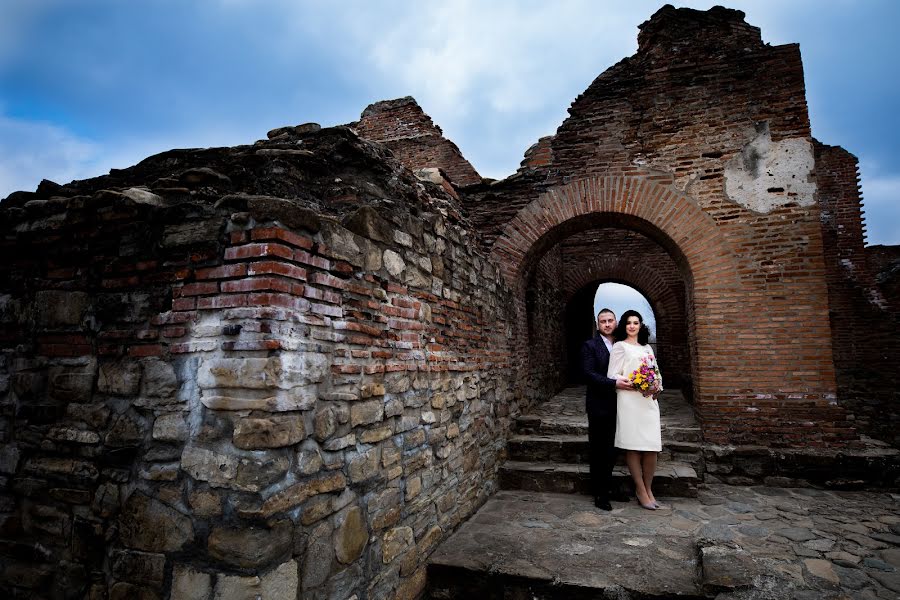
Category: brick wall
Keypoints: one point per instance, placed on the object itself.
(200, 399)
(415, 140)
(864, 321)
(704, 147)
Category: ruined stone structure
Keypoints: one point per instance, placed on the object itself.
(290, 369)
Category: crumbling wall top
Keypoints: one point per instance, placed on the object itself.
(672, 29)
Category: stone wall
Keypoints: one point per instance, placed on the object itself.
(211, 391)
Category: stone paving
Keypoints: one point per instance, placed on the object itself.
(729, 543)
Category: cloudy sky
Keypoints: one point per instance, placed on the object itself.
(89, 85)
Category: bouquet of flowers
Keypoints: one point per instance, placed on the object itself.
(646, 379)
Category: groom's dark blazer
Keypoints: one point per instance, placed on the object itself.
(601, 390)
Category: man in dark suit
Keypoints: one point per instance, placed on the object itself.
(600, 402)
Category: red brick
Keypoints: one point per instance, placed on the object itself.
(272, 233)
(258, 250)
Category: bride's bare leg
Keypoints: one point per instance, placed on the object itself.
(633, 460)
(648, 469)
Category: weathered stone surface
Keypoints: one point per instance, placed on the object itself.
(822, 569)
(300, 492)
(273, 432)
(221, 470)
(340, 443)
(73, 435)
(72, 384)
(250, 547)
(309, 458)
(171, 427)
(395, 542)
(325, 424)
(119, 378)
(128, 591)
(367, 412)
(368, 223)
(205, 503)
(319, 557)
(94, 415)
(158, 379)
(62, 467)
(139, 567)
(286, 371)
(147, 524)
(190, 584)
(350, 536)
(206, 465)
(393, 263)
(364, 466)
(61, 308)
(281, 582)
(727, 568)
(127, 430)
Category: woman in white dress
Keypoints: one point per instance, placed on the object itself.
(637, 415)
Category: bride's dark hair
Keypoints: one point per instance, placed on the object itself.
(643, 333)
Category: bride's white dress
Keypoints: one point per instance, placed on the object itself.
(637, 417)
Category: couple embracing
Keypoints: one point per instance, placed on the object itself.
(623, 384)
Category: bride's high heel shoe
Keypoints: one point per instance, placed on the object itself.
(648, 506)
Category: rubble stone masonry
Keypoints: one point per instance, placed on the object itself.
(208, 390)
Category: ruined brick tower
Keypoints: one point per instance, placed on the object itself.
(290, 368)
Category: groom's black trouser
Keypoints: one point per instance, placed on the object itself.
(601, 436)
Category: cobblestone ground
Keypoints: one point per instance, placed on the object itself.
(729, 543)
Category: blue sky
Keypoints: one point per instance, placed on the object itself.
(90, 85)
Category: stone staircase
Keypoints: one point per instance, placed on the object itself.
(549, 452)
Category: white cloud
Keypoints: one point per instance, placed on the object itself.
(881, 201)
(31, 151)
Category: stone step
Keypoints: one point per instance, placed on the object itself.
(569, 448)
(672, 478)
(555, 425)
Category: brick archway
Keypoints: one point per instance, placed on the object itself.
(659, 211)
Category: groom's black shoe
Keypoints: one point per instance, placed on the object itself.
(602, 503)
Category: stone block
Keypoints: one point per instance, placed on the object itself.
(128, 591)
(395, 542)
(147, 524)
(73, 435)
(319, 557)
(309, 459)
(158, 379)
(281, 582)
(350, 535)
(139, 567)
(364, 466)
(393, 262)
(366, 412)
(72, 384)
(172, 427)
(250, 547)
(57, 308)
(190, 584)
(128, 430)
(368, 223)
(119, 378)
(276, 431)
(298, 493)
(205, 503)
(239, 473)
